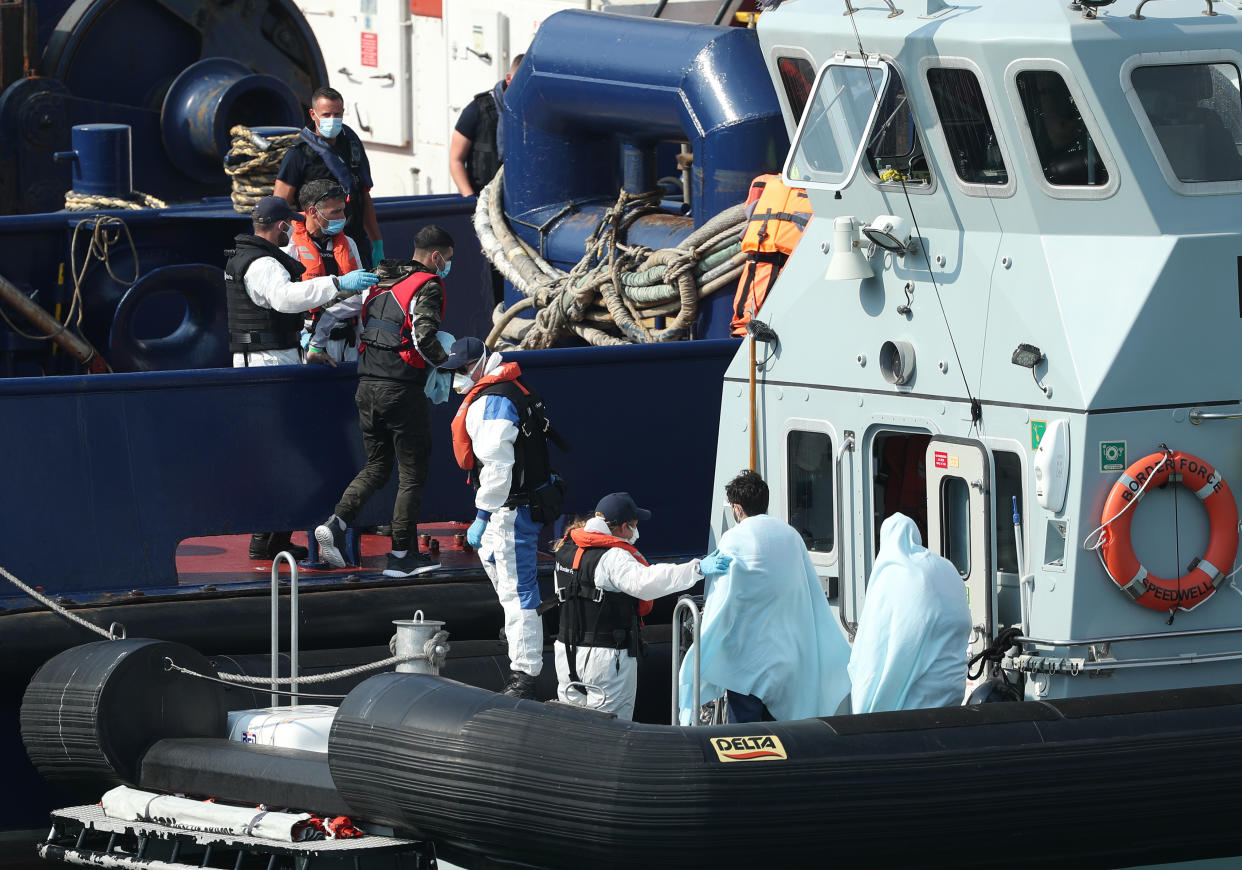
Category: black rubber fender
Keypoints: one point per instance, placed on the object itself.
(90, 713)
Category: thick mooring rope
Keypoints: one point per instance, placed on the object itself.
(75, 201)
(252, 163)
(612, 295)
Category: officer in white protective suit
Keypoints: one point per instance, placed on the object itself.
(603, 587)
(769, 642)
(910, 649)
(266, 296)
(500, 436)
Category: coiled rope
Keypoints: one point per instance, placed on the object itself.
(611, 295)
(252, 162)
(136, 199)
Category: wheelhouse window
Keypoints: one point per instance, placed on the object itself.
(1067, 153)
(967, 126)
(894, 151)
(833, 131)
(809, 458)
(1196, 112)
(797, 77)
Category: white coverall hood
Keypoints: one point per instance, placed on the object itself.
(910, 649)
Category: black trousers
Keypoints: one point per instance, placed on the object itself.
(395, 417)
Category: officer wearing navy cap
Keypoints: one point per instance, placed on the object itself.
(266, 305)
(603, 586)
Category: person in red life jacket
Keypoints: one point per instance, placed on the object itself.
(397, 346)
(266, 303)
(330, 149)
(603, 587)
(322, 247)
(500, 436)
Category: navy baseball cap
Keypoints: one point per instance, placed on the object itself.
(619, 507)
(271, 209)
(463, 352)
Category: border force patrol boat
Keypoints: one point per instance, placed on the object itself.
(1007, 320)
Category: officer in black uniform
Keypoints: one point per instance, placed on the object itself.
(266, 306)
(330, 149)
(477, 147)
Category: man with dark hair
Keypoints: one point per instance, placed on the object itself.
(400, 318)
(749, 492)
(768, 642)
(477, 147)
(266, 304)
(329, 149)
(323, 249)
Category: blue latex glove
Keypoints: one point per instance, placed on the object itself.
(358, 280)
(715, 562)
(377, 251)
(474, 535)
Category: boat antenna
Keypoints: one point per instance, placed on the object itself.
(976, 409)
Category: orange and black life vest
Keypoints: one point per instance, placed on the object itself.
(589, 615)
(312, 260)
(779, 215)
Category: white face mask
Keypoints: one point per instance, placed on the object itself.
(462, 383)
(634, 536)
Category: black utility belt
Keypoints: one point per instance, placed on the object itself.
(521, 499)
(344, 331)
(601, 640)
(280, 340)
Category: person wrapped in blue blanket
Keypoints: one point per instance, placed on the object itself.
(769, 642)
(910, 649)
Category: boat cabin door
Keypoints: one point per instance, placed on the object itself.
(959, 521)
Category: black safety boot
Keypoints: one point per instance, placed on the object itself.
(269, 545)
(520, 685)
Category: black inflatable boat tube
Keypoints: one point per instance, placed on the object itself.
(1112, 781)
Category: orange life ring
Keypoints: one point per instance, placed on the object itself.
(1197, 585)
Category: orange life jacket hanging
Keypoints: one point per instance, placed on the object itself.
(777, 220)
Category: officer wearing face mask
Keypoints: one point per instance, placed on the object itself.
(266, 295)
(500, 438)
(329, 149)
(603, 587)
(266, 305)
(323, 249)
(397, 345)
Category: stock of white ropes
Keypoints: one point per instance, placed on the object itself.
(616, 290)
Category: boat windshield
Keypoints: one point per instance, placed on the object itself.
(831, 134)
(1196, 113)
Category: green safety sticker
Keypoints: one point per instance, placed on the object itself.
(1038, 427)
(1112, 456)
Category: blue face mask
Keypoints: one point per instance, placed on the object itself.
(330, 127)
(334, 227)
(443, 273)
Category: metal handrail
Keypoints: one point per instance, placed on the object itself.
(1120, 638)
(286, 556)
(1198, 415)
(687, 603)
(847, 446)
